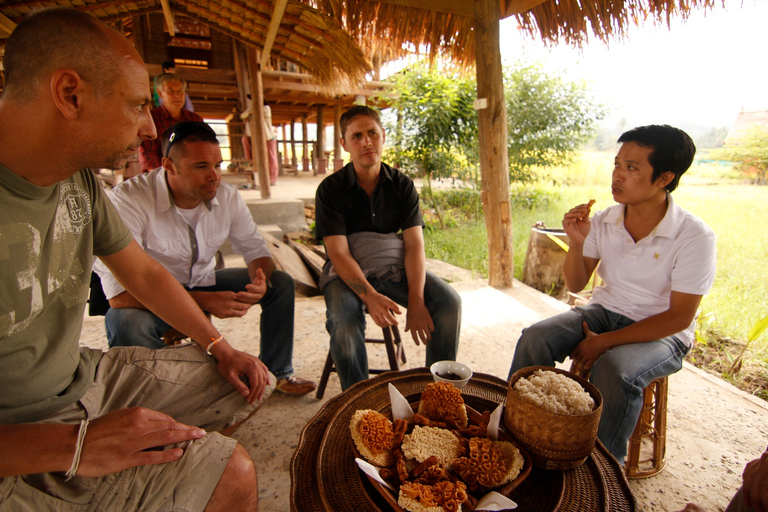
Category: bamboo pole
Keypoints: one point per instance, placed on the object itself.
(494, 159)
(320, 152)
(294, 163)
(305, 160)
(258, 134)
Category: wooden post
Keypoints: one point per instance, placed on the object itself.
(321, 161)
(293, 145)
(284, 162)
(258, 133)
(305, 144)
(338, 159)
(494, 159)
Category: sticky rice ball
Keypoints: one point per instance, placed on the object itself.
(555, 392)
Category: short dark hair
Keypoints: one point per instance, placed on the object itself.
(57, 38)
(169, 64)
(357, 110)
(189, 131)
(672, 149)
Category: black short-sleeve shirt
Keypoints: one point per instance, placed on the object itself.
(342, 207)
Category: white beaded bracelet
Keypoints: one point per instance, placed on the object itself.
(213, 343)
(78, 450)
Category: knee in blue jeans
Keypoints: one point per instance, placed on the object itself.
(134, 327)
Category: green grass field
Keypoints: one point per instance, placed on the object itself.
(735, 210)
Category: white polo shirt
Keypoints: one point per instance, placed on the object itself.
(679, 255)
(145, 205)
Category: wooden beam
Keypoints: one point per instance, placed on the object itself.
(274, 26)
(168, 17)
(258, 133)
(6, 27)
(511, 7)
(492, 138)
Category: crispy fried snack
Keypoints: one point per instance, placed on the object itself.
(399, 428)
(447, 495)
(479, 430)
(373, 436)
(589, 208)
(442, 401)
(422, 467)
(489, 464)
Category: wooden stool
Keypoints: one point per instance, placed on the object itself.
(395, 353)
(651, 426)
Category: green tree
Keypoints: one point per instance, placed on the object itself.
(435, 134)
(436, 127)
(750, 151)
(549, 119)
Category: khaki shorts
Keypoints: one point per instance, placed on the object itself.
(180, 381)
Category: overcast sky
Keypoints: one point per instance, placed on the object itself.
(699, 73)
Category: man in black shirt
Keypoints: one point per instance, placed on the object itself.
(368, 216)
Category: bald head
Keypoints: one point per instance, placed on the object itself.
(60, 38)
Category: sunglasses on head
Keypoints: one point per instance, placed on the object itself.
(181, 131)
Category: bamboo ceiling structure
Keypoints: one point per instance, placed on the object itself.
(302, 35)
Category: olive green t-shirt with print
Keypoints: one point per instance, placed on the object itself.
(48, 238)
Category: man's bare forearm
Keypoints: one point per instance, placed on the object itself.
(36, 448)
(575, 269)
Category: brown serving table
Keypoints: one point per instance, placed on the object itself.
(324, 475)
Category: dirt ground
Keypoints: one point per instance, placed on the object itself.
(713, 428)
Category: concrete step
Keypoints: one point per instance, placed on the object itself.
(288, 214)
(272, 229)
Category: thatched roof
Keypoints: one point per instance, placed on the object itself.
(305, 36)
(572, 21)
(392, 28)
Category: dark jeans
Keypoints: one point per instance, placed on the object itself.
(620, 374)
(140, 327)
(346, 323)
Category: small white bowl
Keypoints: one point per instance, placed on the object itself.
(441, 369)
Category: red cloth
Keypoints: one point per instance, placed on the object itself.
(271, 156)
(150, 152)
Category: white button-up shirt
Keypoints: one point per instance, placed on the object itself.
(146, 206)
(678, 255)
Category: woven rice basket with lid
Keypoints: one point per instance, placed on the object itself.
(555, 441)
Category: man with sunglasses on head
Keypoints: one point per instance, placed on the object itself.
(181, 214)
(83, 429)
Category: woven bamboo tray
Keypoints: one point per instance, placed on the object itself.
(325, 477)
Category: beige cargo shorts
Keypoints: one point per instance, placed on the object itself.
(180, 381)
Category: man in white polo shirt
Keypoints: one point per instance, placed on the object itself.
(181, 214)
(656, 260)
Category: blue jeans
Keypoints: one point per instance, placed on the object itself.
(620, 374)
(140, 327)
(346, 323)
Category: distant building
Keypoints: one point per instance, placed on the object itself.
(745, 120)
